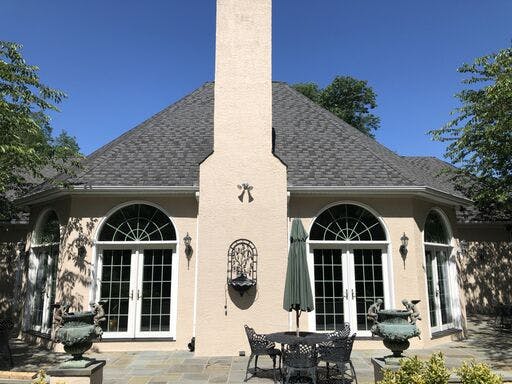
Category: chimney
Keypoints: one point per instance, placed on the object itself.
(243, 76)
(242, 160)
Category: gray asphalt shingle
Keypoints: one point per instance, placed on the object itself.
(318, 148)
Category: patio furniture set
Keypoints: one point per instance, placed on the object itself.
(303, 352)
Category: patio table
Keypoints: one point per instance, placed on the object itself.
(290, 338)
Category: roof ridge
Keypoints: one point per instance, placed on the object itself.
(336, 119)
(98, 153)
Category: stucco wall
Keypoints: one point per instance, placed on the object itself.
(399, 215)
(12, 238)
(486, 266)
(80, 218)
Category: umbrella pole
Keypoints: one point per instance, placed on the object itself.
(297, 313)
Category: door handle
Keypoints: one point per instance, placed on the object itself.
(139, 296)
(131, 294)
(353, 294)
(437, 292)
(346, 294)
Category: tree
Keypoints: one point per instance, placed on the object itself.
(480, 135)
(27, 146)
(348, 98)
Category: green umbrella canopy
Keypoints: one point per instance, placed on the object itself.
(297, 290)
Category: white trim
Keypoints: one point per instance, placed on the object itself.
(453, 286)
(53, 193)
(347, 248)
(137, 247)
(423, 191)
(126, 204)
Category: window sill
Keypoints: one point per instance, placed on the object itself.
(135, 339)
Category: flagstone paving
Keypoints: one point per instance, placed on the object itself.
(484, 343)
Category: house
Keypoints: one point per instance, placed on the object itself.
(162, 220)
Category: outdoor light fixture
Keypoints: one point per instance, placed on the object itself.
(188, 248)
(403, 247)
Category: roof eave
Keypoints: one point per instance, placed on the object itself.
(50, 194)
(419, 191)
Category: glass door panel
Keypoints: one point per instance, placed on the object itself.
(40, 290)
(444, 289)
(116, 289)
(369, 283)
(438, 285)
(431, 287)
(155, 301)
(329, 288)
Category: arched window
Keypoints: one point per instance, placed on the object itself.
(349, 257)
(440, 272)
(43, 271)
(347, 222)
(138, 222)
(137, 272)
(435, 229)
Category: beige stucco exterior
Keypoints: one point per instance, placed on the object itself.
(206, 307)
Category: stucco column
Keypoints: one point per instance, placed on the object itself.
(242, 153)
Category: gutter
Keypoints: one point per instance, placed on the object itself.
(56, 192)
(420, 191)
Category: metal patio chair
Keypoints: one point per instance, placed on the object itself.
(261, 346)
(339, 353)
(300, 358)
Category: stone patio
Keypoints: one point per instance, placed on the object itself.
(484, 343)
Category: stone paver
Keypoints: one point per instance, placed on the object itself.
(484, 343)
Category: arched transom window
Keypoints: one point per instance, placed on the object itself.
(138, 222)
(347, 222)
(48, 232)
(435, 229)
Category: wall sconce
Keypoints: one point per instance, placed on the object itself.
(403, 247)
(188, 248)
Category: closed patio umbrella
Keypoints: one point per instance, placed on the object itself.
(297, 289)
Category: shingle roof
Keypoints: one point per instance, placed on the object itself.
(319, 149)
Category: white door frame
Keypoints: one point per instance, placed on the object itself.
(35, 263)
(136, 277)
(452, 291)
(347, 248)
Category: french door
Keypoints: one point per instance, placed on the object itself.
(438, 285)
(346, 281)
(139, 285)
(44, 276)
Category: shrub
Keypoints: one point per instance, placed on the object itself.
(415, 371)
(473, 373)
(434, 371)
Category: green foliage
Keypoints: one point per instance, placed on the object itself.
(27, 146)
(41, 378)
(434, 371)
(415, 371)
(473, 373)
(480, 135)
(348, 98)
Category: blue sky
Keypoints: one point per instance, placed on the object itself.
(121, 61)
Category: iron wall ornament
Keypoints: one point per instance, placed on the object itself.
(245, 187)
(242, 265)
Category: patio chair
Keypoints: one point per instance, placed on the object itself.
(299, 358)
(342, 333)
(261, 346)
(6, 327)
(339, 353)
